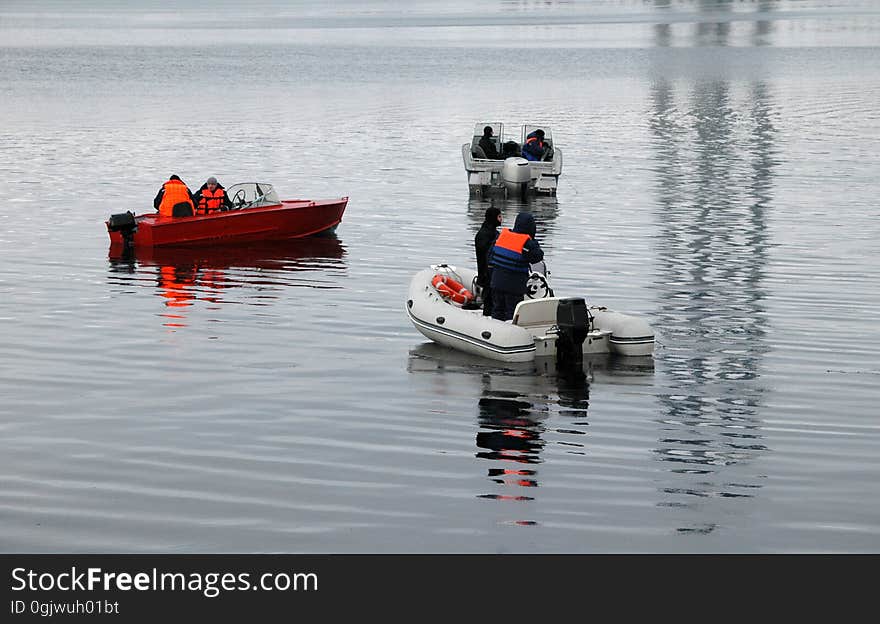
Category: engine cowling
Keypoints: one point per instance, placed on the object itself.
(516, 173)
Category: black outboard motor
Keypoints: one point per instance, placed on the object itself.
(125, 224)
(573, 321)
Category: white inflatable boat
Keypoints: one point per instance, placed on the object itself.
(542, 325)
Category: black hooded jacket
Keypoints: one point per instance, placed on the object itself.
(483, 242)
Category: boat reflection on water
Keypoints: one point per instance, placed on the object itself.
(518, 416)
(524, 408)
(545, 210)
(510, 433)
(605, 368)
(542, 373)
(715, 156)
(252, 274)
(268, 254)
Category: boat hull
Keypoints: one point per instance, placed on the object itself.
(465, 330)
(488, 177)
(287, 220)
(533, 332)
(628, 335)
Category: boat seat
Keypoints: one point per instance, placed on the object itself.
(478, 152)
(536, 315)
(181, 209)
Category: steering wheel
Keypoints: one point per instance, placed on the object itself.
(238, 200)
(537, 287)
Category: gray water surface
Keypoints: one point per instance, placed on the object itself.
(719, 179)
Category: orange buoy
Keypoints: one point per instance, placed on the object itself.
(451, 289)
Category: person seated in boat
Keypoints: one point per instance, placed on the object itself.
(510, 149)
(510, 257)
(211, 197)
(483, 242)
(488, 144)
(534, 147)
(174, 199)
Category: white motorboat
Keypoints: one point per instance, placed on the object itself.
(543, 325)
(511, 175)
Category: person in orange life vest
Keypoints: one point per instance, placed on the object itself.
(534, 148)
(510, 259)
(211, 197)
(174, 199)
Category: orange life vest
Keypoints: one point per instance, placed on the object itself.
(513, 241)
(209, 202)
(175, 193)
(507, 251)
(451, 289)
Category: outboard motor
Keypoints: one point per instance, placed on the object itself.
(516, 173)
(125, 224)
(573, 322)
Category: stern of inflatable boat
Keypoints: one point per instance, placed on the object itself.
(607, 332)
(630, 335)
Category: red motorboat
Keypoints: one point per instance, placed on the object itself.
(258, 215)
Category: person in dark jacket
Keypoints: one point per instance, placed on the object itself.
(174, 199)
(211, 197)
(488, 144)
(510, 149)
(483, 242)
(534, 147)
(510, 259)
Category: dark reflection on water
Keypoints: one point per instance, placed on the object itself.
(510, 434)
(711, 33)
(717, 31)
(256, 273)
(544, 208)
(763, 29)
(527, 413)
(714, 160)
(512, 423)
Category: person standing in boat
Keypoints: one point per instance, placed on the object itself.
(534, 147)
(488, 144)
(174, 199)
(483, 242)
(510, 258)
(211, 197)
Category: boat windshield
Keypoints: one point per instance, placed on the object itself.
(497, 129)
(527, 129)
(252, 195)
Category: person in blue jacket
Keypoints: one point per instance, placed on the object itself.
(510, 258)
(534, 147)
